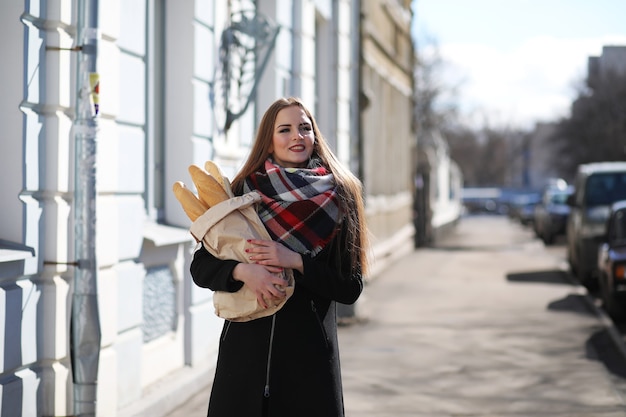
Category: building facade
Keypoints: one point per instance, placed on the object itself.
(388, 139)
(158, 82)
(438, 187)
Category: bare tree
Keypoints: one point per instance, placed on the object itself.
(488, 157)
(484, 155)
(596, 128)
(435, 100)
(465, 149)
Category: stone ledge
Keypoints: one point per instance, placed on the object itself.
(10, 251)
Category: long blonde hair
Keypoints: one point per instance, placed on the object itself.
(349, 188)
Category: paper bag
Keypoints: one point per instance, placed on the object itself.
(224, 229)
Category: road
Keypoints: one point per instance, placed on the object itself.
(486, 324)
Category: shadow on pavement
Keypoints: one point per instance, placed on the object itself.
(601, 347)
(554, 276)
(574, 303)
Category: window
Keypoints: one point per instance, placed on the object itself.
(159, 303)
(606, 188)
(155, 164)
(140, 116)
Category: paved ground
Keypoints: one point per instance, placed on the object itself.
(488, 324)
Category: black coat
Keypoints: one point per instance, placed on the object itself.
(303, 377)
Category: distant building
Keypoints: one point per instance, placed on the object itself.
(612, 59)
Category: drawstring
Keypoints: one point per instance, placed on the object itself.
(266, 392)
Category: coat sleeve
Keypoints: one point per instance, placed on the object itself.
(330, 274)
(210, 272)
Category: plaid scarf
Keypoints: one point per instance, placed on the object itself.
(299, 206)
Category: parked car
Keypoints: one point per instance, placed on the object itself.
(612, 264)
(482, 200)
(523, 207)
(597, 186)
(550, 216)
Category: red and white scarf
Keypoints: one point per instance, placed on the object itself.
(299, 206)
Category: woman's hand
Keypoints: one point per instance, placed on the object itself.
(270, 253)
(266, 282)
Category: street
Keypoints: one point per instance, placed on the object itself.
(486, 324)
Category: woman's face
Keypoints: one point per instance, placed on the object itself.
(293, 138)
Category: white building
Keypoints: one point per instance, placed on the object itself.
(439, 184)
(156, 63)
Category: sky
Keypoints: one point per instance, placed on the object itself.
(516, 62)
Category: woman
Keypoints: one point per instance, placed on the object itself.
(287, 364)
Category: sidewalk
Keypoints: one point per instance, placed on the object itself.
(486, 325)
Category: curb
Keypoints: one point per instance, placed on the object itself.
(603, 317)
(606, 321)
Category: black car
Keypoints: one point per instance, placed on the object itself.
(612, 263)
(550, 216)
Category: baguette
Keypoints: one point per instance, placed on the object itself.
(214, 170)
(210, 190)
(192, 205)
